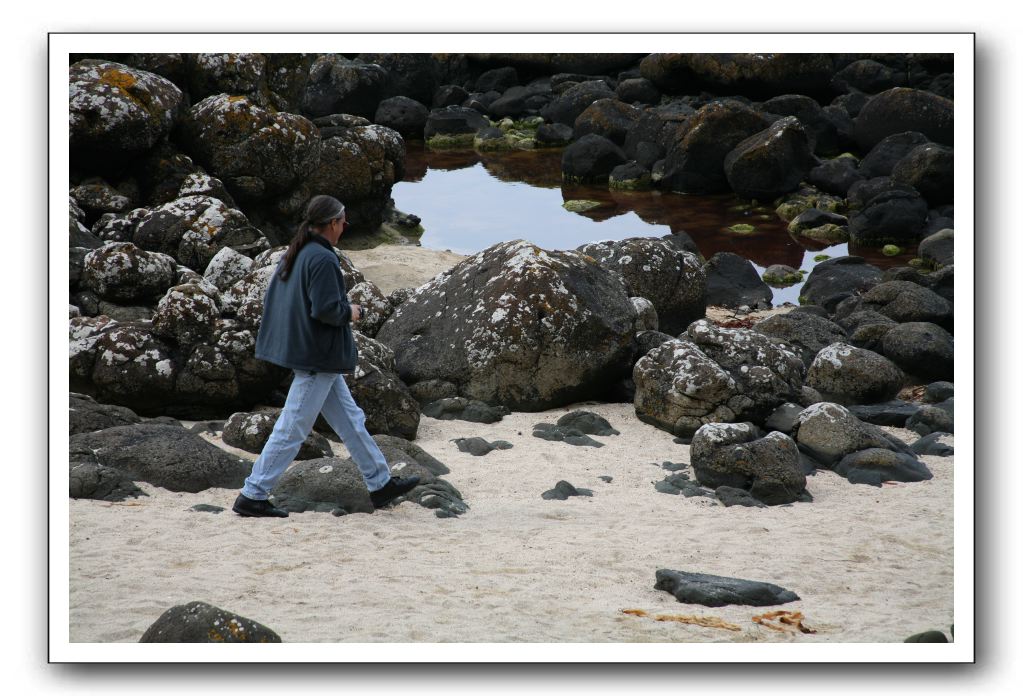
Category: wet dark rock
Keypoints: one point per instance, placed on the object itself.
(554, 134)
(827, 432)
(630, 176)
(480, 101)
(865, 76)
(165, 455)
(567, 106)
(873, 466)
(851, 103)
(903, 109)
(459, 408)
(250, 432)
(937, 392)
(338, 85)
(821, 131)
(734, 454)
(404, 115)
(86, 415)
(566, 434)
(781, 275)
(519, 326)
(730, 496)
(938, 418)
(835, 175)
(850, 375)
(938, 249)
(755, 75)
(638, 89)
(587, 422)
(806, 333)
(883, 156)
(929, 169)
(199, 622)
(478, 447)
(893, 413)
(516, 102)
(609, 118)
(674, 281)
(590, 159)
(770, 163)
(719, 591)
(895, 217)
(714, 375)
(564, 490)
(695, 160)
(498, 79)
(903, 302)
(833, 280)
(448, 95)
(732, 281)
(929, 445)
(922, 349)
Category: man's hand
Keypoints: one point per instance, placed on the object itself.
(356, 312)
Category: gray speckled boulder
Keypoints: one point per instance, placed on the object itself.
(851, 375)
(518, 326)
(714, 375)
(186, 315)
(199, 622)
(734, 454)
(387, 402)
(122, 272)
(922, 349)
(250, 432)
(117, 111)
(802, 331)
(828, 432)
(227, 267)
(719, 591)
(165, 455)
(672, 279)
(939, 418)
(375, 307)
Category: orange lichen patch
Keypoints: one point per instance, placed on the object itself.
(912, 393)
(215, 636)
(235, 99)
(786, 620)
(705, 621)
(117, 78)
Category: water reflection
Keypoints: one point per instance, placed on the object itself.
(469, 201)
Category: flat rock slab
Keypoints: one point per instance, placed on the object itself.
(478, 447)
(199, 622)
(564, 490)
(587, 422)
(894, 413)
(458, 408)
(930, 445)
(730, 496)
(680, 483)
(559, 433)
(718, 591)
(203, 507)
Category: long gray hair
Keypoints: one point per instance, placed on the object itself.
(320, 211)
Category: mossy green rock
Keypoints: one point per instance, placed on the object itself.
(580, 205)
(891, 250)
(828, 233)
(742, 228)
(821, 257)
(782, 275)
(443, 141)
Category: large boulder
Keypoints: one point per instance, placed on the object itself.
(930, 170)
(404, 115)
(733, 282)
(199, 622)
(516, 325)
(834, 280)
(226, 268)
(922, 349)
(454, 124)
(254, 151)
(116, 112)
(735, 455)
(883, 157)
(192, 229)
(695, 160)
(820, 129)
(846, 374)
(568, 106)
(389, 405)
(240, 74)
(903, 301)
(121, 272)
(86, 415)
(875, 466)
(655, 131)
(827, 432)
(938, 249)
(590, 159)
(673, 280)
(714, 375)
(186, 315)
(770, 163)
(607, 117)
(894, 217)
(755, 75)
(338, 85)
(902, 109)
(165, 455)
(801, 331)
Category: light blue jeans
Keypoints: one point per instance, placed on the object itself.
(312, 393)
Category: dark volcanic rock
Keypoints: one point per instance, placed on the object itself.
(478, 447)
(519, 326)
(938, 248)
(933, 419)
(86, 415)
(404, 115)
(730, 496)
(833, 280)
(734, 454)
(340, 86)
(930, 170)
(828, 432)
(250, 432)
(873, 466)
(819, 127)
(680, 484)
(937, 392)
(719, 591)
(770, 163)
(638, 89)
(805, 332)
(590, 159)
(732, 281)
(835, 176)
(927, 637)
(566, 434)
(894, 217)
(567, 106)
(609, 118)
(903, 109)
(883, 156)
(892, 413)
(458, 408)
(930, 445)
(587, 422)
(851, 375)
(165, 455)
(91, 480)
(755, 75)
(564, 490)
(198, 622)
(903, 301)
(922, 349)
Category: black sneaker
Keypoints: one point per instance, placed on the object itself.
(392, 489)
(247, 507)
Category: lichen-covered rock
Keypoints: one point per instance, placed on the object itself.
(922, 349)
(695, 160)
(240, 74)
(654, 269)
(834, 280)
(590, 159)
(338, 85)
(117, 111)
(827, 432)
(122, 272)
(390, 407)
(165, 455)
(732, 281)
(755, 75)
(518, 326)
(646, 314)
(133, 367)
(902, 109)
(199, 622)
(254, 151)
(83, 334)
(609, 118)
(770, 163)
(714, 375)
(850, 375)
(86, 415)
(734, 454)
(375, 307)
(186, 315)
(194, 228)
(803, 332)
(250, 432)
(99, 197)
(939, 418)
(226, 268)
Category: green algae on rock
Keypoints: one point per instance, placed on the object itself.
(741, 228)
(580, 205)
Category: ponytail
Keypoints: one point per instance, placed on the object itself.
(320, 211)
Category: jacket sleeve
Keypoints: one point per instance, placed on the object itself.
(327, 300)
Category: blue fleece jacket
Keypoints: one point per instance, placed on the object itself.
(307, 319)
